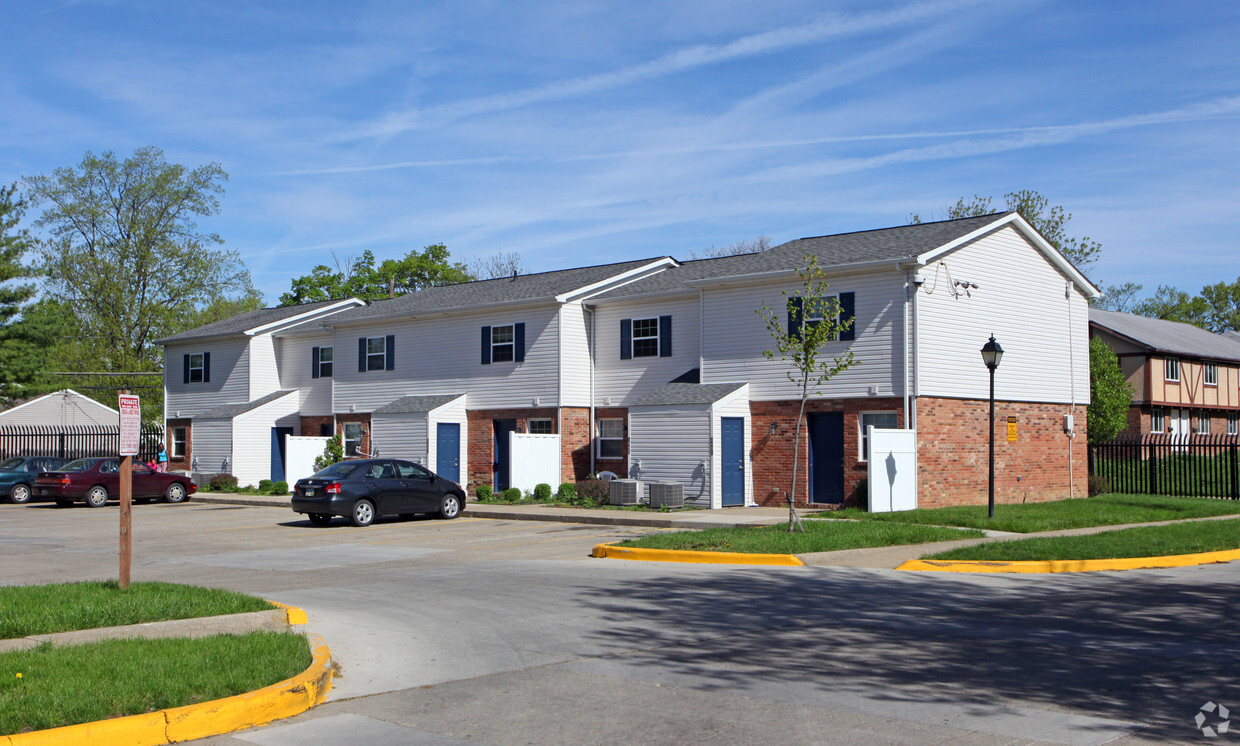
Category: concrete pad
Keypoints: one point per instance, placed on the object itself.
(338, 729)
(274, 620)
(307, 559)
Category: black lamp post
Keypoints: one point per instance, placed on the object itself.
(992, 353)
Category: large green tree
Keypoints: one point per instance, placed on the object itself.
(1110, 394)
(361, 278)
(18, 361)
(124, 249)
(1049, 220)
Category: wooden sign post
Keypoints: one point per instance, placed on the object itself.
(131, 436)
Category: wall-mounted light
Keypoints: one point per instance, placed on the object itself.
(536, 400)
(774, 426)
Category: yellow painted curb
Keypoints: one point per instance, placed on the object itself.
(293, 614)
(1095, 565)
(681, 555)
(284, 699)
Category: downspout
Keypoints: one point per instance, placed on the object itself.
(909, 289)
(916, 360)
(1067, 294)
(590, 433)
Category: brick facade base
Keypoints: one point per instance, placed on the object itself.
(314, 426)
(184, 461)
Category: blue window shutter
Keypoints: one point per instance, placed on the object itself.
(186, 369)
(665, 336)
(518, 340)
(314, 362)
(361, 354)
(206, 367)
(626, 339)
(389, 348)
(848, 312)
(796, 304)
(486, 345)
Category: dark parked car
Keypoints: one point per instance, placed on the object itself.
(17, 475)
(96, 480)
(361, 490)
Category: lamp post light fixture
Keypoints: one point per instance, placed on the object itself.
(992, 353)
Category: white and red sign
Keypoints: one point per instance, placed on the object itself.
(131, 424)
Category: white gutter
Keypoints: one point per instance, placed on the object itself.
(590, 434)
(326, 310)
(619, 280)
(896, 262)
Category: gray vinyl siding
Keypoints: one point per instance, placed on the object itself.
(294, 358)
(671, 442)
(574, 356)
(61, 409)
(251, 438)
(626, 381)
(441, 355)
(230, 377)
(734, 338)
(212, 446)
(402, 436)
(1020, 299)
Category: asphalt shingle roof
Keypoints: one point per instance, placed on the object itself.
(687, 393)
(897, 243)
(411, 404)
(250, 320)
(1174, 337)
(229, 411)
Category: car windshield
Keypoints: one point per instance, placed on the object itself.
(338, 470)
(81, 464)
(11, 463)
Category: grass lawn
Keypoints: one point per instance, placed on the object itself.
(1147, 541)
(820, 536)
(1104, 510)
(63, 607)
(51, 686)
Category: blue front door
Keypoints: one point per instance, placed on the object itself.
(499, 468)
(277, 452)
(826, 458)
(732, 452)
(448, 450)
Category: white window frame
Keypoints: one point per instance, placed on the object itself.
(174, 451)
(325, 360)
(1158, 420)
(647, 350)
(614, 436)
(1171, 369)
(1233, 423)
(374, 354)
(863, 442)
(543, 429)
(504, 352)
(345, 440)
(1211, 374)
(200, 369)
(1203, 423)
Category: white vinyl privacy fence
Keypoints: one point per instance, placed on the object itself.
(533, 460)
(892, 477)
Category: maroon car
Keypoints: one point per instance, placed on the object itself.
(96, 480)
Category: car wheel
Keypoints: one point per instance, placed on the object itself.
(60, 503)
(363, 513)
(319, 519)
(449, 506)
(97, 497)
(20, 494)
(175, 493)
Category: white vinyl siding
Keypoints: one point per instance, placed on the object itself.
(264, 373)
(211, 446)
(229, 381)
(625, 381)
(574, 356)
(251, 438)
(735, 405)
(295, 357)
(1020, 300)
(452, 412)
(440, 355)
(61, 408)
(734, 338)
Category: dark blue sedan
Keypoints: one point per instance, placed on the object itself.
(364, 489)
(18, 473)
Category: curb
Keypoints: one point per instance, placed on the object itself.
(680, 555)
(280, 700)
(1095, 565)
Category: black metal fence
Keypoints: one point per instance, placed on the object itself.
(1163, 464)
(73, 441)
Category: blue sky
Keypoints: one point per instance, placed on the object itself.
(583, 132)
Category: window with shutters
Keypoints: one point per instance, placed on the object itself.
(503, 344)
(376, 353)
(197, 369)
(325, 362)
(645, 337)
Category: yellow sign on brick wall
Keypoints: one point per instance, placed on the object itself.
(1012, 429)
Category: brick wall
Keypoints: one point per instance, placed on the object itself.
(482, 438)
(953, 453)
(362, 417)
(772, 453)
(180, 463)
(620, 466)
(312, 425)
(575, 442)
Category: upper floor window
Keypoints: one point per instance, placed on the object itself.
(880, 421)
(503, 344)
(197, 367)
(539, 426)
(1171, 369)
(811, 314)
(321, 362)
(1157, 421)
(646, 337)
(375, 353)
(1211, 374)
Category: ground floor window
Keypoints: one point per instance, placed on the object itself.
(1203, 423)
(177, 443)
(1157, 421)
(880, 421)
(352, 438)
(541, 426)
(611, 438)
(1233, 421)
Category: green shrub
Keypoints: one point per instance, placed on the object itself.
(511, 495)
(484, 492)
(542, 492)
(1098, 485)
(222, 483)
(567, 492)
(332, 452)
(593, 492)
(279, 488)
(264, 486)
